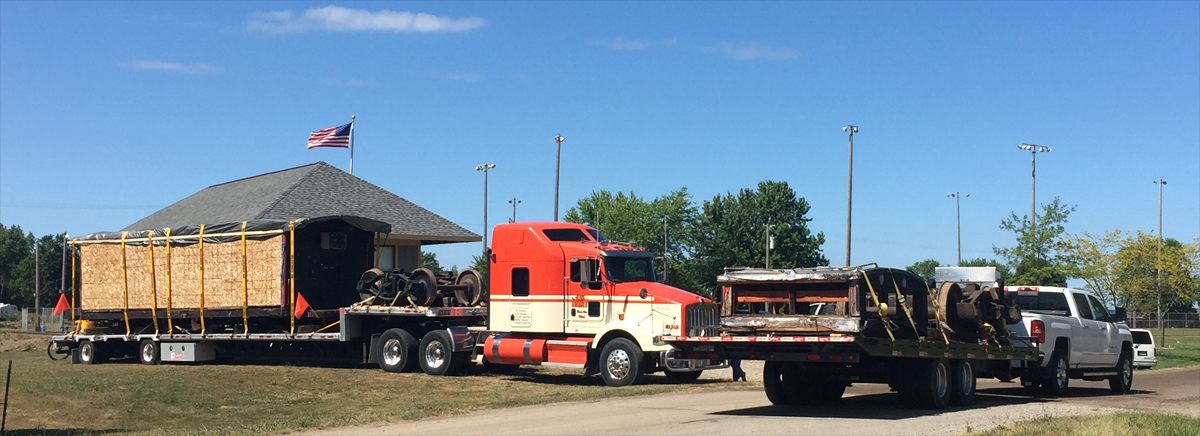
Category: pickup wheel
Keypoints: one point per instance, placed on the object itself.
(620, 362)
(962, 383)
(148, 352)
(1056, 379)
(1123, 381)
(683, 377)
(933, 383)
(397, 348)
(783, 383)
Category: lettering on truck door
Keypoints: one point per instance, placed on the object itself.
(1090, 339)
(585, 307)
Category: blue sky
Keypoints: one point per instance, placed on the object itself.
(110, 111)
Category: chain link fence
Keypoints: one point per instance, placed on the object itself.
(1188, 323)
(49, 322)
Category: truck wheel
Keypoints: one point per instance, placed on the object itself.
(436, 356)
(1056, 378)
(828, 390)
(783, 383)
(1123, 381)
(620, 362)
(148, 352)
(90, 353)
(683, 377)
(933, 383)
(962, 383)
(397, 350)
(461, 363)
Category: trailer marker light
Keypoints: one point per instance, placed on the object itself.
(814, 357)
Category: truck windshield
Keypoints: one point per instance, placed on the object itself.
(599, 237)
(629, 269)
(1050, 302)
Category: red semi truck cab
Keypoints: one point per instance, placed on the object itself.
(564, 295)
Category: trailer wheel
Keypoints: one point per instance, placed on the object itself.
(962, 383)
(1056, 377)
(436, 357)
(1123, 381)
(828, 390)
(620, 362)
(148, 352)
(683, 377)
(783, 383)
(398, 348)
(933, 383)
(90, 353)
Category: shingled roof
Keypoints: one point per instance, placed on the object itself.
(308, 191)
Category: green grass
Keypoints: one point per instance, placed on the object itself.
(58, 398)
(1179, 348)
(1131, 424)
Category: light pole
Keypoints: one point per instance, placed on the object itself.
(958, 219)
(664, 253)
(485, 167)
(37, 287)
(851, 129)
(1033, 150)
(769, 225)
(1158, 279)
(514, 202)
(558, 139)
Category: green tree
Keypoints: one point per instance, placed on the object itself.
(1095, 260)
(1150, 270)
(430, 261)
(731, 231)
(17, 266)
(924, 268)
(1036, 258)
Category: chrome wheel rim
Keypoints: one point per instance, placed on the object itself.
(85, 352)
(941, 382)
(1127, 374)
(435, 354)
(967, 377)
(618, 364)
(148, 352)
(391, 352)
(1060, 372)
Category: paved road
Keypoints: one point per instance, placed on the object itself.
(867, 409)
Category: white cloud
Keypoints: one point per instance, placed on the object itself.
(462, 77)
(352, 83)
(170, 66)
(625, 44)
(749, 51)
(339, 19)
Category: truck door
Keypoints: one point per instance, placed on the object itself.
(1109, 335)
(585, 300)
(1089, 342)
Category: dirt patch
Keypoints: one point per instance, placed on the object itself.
(10, 341)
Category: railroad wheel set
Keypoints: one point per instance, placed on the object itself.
(420, 287)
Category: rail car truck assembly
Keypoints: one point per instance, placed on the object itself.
(889, 326)
(562, 295)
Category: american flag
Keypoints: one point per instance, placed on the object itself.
(332, 137)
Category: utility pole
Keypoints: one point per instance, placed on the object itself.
(769, 225)
(485, 167)
(851, 129)
(958, 219)
(664, 253)
(37, 287)
(558, 139)
(1158, 279)
(514, 202)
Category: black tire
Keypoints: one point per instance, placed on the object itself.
(933, 383)
(962, 383)
(828, 390)
(91, 353)
(1123, 381)
(461, 364)
(437, 353)
(620, 362)
(683, 377)
(1056, 378)
(148, 352)
(397, 349)
(783, 383)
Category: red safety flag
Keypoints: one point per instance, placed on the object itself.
(63, 305)
(301, 305)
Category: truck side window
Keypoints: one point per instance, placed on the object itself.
(520, 282)
(1099, 310)
(575, 271)
(1085, 308)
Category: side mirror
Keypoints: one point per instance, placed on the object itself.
(1120, 314)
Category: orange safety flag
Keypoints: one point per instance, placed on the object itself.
(301, 305)
(62, 305)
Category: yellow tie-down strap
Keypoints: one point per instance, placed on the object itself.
(881, 306)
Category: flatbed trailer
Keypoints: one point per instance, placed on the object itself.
(811, 357)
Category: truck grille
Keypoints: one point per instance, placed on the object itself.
(701, 319)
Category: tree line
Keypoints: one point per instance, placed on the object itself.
(17, 266)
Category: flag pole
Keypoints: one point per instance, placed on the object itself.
(352, 145)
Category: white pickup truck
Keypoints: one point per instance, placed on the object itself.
(1076, 337)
